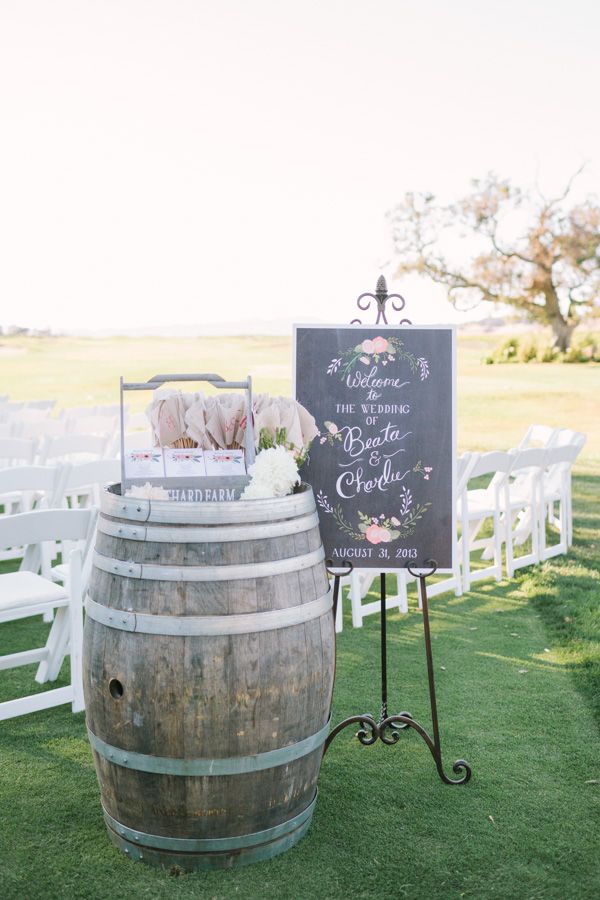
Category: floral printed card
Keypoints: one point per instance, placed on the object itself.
(183, 461)
(382, 466)
(144, 463)
(225, 462)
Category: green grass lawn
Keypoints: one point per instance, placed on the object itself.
(518, 674)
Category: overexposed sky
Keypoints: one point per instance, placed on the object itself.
(181, 162)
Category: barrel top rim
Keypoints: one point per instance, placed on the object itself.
(217, 512)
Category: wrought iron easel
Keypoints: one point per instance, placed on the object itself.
(388, 727)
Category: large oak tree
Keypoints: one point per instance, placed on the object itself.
(502, 245)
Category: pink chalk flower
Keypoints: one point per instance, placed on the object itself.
(395, 521)
(374, 534)
(365, 360)
(368, 346)
(380, 344)
(332, 428)
(384, 535)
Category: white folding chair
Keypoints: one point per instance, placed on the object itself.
(73, 413)
(73, 448)
(8, 407)
(103, 425)
(476, 506)
(85, 481)
(111, 409)
(565, 437)
(25, 594)
(556, 489)
(359, 584)
(23, 486)
(134, 440)
(40, 404)
(522, 504)
(17, 451)
(464, 464)
(31, 414)
(38, 429)
(538, 436)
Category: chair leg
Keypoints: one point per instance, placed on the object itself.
(466, 555)
(56, 645)
(402, 592)
(355, 599)
(76, 630)
(339, 613)
(510, 570)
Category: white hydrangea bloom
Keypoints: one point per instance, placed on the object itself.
(147, 492)
(274, 474)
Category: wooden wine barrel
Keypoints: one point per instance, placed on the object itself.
(208, 674)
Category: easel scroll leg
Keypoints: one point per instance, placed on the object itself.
(435, 746)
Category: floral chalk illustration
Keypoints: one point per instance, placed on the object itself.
(378, 350)
(378, 529)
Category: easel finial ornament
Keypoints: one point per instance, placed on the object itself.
(381, 298)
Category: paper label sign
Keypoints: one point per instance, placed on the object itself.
(144, 463)
(224, 462)
(184, 461)
(382, 466)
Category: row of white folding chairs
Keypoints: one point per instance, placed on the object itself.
(525, 487)
(69, 447)
(36, 425)
(9, 407)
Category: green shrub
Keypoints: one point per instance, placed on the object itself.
(546, 353)
(572, 355)
(587, 347)
(528, 351)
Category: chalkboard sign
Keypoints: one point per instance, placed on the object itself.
(382, 466)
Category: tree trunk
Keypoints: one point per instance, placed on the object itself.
(562, 333)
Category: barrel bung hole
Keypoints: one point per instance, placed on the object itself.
(115, 688)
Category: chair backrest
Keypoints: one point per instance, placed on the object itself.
(41, 428)
(34, 478)
(104, 425)
(567, 453)
(98, 471)
(464, 464)
(40, 404)
(31, 414)
(568, 436)
(47, 525)
(69, 446)
(538, 435)
(15, 451)
(530, 458)
(491, 463)
(110, 409)
(9, 407)
(73, 413)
